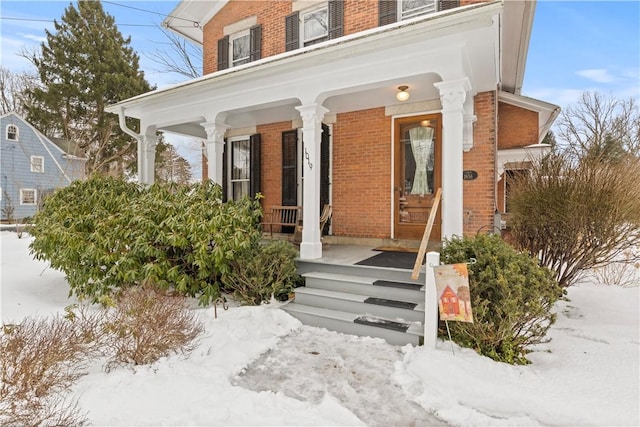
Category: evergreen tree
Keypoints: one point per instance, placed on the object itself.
(85, 65)
(170, 165)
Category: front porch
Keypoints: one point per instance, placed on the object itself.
(343, 295)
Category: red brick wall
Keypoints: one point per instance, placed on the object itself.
(362, 174)
(359, 15)
(270, 14)
(517, 127)
(271, 163)
(479, 194)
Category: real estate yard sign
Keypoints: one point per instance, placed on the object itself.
(454, 298)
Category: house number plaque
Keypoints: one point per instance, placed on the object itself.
(469, 175)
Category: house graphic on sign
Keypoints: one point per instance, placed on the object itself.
(449, 303)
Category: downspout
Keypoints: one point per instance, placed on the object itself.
(123, 125)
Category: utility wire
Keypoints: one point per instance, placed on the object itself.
(149, 11)
(9, 18)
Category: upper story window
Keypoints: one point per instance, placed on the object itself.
(28, 196)
(240, 47)
(12, 132)
(390, 11)
(314, 25)
(411, 8)
(37, 164)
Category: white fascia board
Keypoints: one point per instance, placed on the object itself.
(547, 112)
(516, 35)
(198, 13)
(420, 29)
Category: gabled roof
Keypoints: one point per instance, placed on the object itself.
(58, 144)
(190, 16)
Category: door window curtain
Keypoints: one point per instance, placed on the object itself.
(421, 146)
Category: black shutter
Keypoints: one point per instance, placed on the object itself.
(448, 4)
(254, 164)
(290, 168)
(225, 171)
(292, 31)
(223, 53)
(325, 165)
(336, 19)
(387, 12)
(255, 41)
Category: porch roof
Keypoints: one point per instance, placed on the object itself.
(354, 72)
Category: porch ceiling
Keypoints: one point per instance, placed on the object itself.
(355, 72)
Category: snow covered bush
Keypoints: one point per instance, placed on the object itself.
(264, 271)
(106, 233)
(511, 298)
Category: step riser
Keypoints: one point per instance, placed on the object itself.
(392, 337)
(407, 295)
(307, 266)
(386, 312)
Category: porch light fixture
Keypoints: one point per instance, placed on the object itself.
(402, 95)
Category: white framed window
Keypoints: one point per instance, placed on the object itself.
(240, 48)
(314, 25)
(28, 196)
(411, 8)
(12, 132)
(37, 164)
(239, 167)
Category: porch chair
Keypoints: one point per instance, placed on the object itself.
(324, 218)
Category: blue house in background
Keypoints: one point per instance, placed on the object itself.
(31, 166)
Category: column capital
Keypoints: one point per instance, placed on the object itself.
(215, 131)
(312, 115)
(453, 93)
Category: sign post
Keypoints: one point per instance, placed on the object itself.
(431, 301)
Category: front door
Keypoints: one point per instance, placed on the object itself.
(418, 165)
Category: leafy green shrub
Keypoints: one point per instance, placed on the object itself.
(106, 233)
(511, 298)
(263, 271)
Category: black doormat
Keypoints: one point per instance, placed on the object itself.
(405, 260)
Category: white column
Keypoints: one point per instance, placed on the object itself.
(214, 149)
(148, 163)
(452, 96)
(312, 114)
(431, 302)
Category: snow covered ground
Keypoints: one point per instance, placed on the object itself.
(259, 366)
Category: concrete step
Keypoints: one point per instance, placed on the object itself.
(369, 286)
(394, 332)
(360, 304)
(381, 273)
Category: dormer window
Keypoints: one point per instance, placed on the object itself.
(12, 132)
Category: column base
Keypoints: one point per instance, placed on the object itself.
(310, 250)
